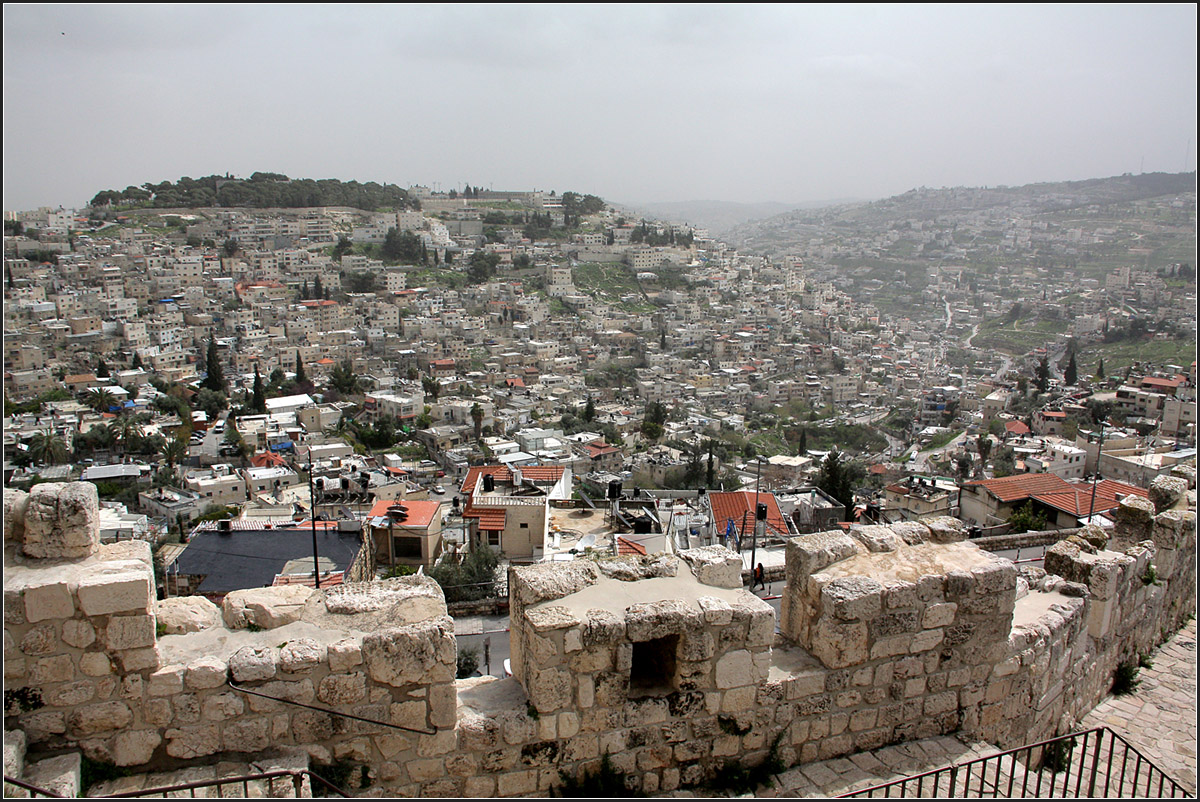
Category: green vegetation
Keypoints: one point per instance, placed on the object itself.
(1125, 680)
(940, 439)
(468, 662)
(472, 579)
(1024, 519)
(611, 283)
(261, 190)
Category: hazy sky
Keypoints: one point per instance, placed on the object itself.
(640, 103)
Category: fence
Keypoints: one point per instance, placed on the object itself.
(1089, 764)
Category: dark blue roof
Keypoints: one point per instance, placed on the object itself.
(252, 558)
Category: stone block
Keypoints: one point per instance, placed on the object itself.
(717, 612)
(876, 538)
(251, 663)
(734, 669)
(1167, 491)
(101, 717)
(344, 655)
(62, 521)
(15, 504)
(77, 633)
(69, 694)
(808, 554)
(852, 598)
(222, 707)
(116, 588)
(129, 632)
(939, 615)
(839, 644)
(206, 672)
(925, 640)
(301, 654)
(716, 566)
(946, 529)
(245, 735)
(166, 681)
(268, 608)
(47, 670)
(193, 742)
(649, 620)
(549, 619)
(443, 705)
(415, 653)
(39, 640)
(181, 614)
(48, 600)
(135, 747)
(342, 689)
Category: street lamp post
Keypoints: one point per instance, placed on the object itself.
(312, 502)
(1096, 474)
(754, 537)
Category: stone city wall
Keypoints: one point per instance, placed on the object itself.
(665, 664)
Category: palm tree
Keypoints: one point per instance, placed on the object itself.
(48, 448)
(125, 429)
(175, 452)
(101, 399)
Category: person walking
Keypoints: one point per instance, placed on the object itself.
(760, 577)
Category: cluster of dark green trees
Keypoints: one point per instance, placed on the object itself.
(261, 190)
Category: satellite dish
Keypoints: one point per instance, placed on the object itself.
(587, 542)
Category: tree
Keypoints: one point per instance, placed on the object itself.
(1024, 519)
(984, 446)
(258, 396)
(101, 399)
(215, 378)
(1071, 373)
(802, 446)
(343, 379)
(230, 247)
(837, 478)
(302, 384)
(1100, 369)
(589, 411)
(343, 247)
(431, 387)
(137, 361)
(102, 371)
(318, 292)
(481, 267)
(1041, 375)
(48, 448)
(477, 417)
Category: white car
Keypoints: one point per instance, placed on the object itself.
(439, 489)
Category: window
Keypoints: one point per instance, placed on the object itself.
(653, 666)
(406, 548)
(493, 538)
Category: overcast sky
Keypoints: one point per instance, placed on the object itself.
(786, 103)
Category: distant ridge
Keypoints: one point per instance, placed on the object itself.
(717, 216)
(924, 203)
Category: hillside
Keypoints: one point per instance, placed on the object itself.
(923, 204)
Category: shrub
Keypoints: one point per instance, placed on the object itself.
(468, 661)
(1151, 576)
(1125, 680)
(1056, 756)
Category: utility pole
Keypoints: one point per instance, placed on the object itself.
(1096, 475)
(312, 501)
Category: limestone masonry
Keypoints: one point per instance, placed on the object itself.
(665, 663)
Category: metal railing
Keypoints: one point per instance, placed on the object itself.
(295, 776)
(1087, 764)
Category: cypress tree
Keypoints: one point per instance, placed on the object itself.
(258, 399)
(1071, 373)
(215, 380)
(301, 376)
(1100, 369)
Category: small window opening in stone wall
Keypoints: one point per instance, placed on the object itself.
(653, 666)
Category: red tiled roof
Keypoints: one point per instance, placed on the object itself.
(327, 580)
(629, 547)
(1022, 486)
(420, 513)
(490, 518)
(1053, 414)
(739, 506)
(1078, 499)
(1016, 427)
(267, 460)
(534, 473)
